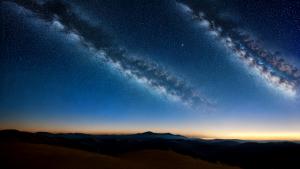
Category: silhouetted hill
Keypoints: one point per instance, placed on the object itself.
(19, 155)
(152, 135)
(248, 155)
(143, 136)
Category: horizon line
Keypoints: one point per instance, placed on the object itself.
(155, 132)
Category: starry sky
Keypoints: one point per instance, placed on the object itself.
(210, 69)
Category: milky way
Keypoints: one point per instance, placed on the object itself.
(267, 64)
(96, 40)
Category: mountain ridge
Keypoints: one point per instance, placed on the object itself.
(247, 155)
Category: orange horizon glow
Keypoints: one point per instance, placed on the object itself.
(240, 135)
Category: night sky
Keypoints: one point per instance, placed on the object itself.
(211, 69)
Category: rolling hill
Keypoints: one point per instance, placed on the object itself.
(244, 154)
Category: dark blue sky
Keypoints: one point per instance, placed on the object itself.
(50, 81)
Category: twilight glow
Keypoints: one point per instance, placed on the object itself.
(203, 69)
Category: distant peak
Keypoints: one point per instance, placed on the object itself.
(149, 133)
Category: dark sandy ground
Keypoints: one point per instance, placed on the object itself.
(19, 155)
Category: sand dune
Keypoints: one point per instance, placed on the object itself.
(36, 156)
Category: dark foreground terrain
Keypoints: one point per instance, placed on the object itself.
(145, 150)
(37, 156)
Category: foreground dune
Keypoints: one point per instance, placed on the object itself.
(26, 155)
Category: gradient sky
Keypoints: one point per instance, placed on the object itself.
(51, 81)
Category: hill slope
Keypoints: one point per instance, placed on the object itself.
(247, 155)
(35, 156)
